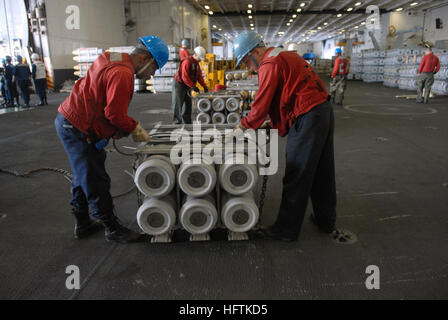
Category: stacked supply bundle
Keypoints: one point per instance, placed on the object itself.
(85, 58)
(223, 108)
(139, 85)
(409, 69)
(440, 86)
(323, 66)
(373, 65)
(163, 78)
(392, 64)
(356, 63)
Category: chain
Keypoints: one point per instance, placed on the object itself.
(263, 194)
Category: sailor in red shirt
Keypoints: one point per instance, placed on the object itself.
(296, 102)
(429, 66)
(183, 52)
(339, 77)
(96, 111)
(185, 79)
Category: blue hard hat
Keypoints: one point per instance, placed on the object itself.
(8, 58)
(3, 61)
(185, 42)
(19, 58)
(245, 43)
(158, 49)
(308, 56)
(338, 51)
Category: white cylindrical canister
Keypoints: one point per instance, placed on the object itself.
(218, 104)
(198, 215)
(233, 118)
(156, 176)
(203, 118)
(232, 104)
(157, 216)
(196, 180)
(238, 178)
(239, 214)
(204, 105)
(218, 118)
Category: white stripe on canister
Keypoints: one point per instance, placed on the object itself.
(218, 104)
(156, 176)
(196, 179)
(238, 178)
(204, 105)
(218, 118)
(198, 215)
(232, 104)
(203, 118)
(157, 216)
(239, 214)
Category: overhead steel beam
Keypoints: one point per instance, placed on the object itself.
(223, 10)
(308, 12)
(294, 22)
(283, 20)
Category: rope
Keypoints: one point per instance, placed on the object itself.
(67, 175)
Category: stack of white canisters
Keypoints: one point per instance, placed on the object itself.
(373, 65)
(163, 78)
(392, 64)
(85, 58)
(196, 196)
(218, 110)
(409, 69)
(356, 63)
(440, 86)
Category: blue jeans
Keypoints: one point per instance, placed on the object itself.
(91, 183)
(310, 171)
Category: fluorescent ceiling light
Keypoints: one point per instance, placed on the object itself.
(207, 7)
(414, 4)
(357, 4)
(303, 4)
(399, 9)
(210, 12)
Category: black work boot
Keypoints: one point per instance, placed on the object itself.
(84, 226)
(114, 231)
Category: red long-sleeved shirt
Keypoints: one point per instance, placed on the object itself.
(99, 102)
(430, 63)
(288, 87)
(189, 73)
(183, 53)
(341, 66)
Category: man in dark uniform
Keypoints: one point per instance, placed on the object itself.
(22, 75)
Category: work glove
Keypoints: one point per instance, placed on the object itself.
(266, 125)
(205, 89)
(237, 131)
(140, 134)
(195, 89)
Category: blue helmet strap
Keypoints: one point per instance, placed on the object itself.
(253, 59)
(144, 68)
